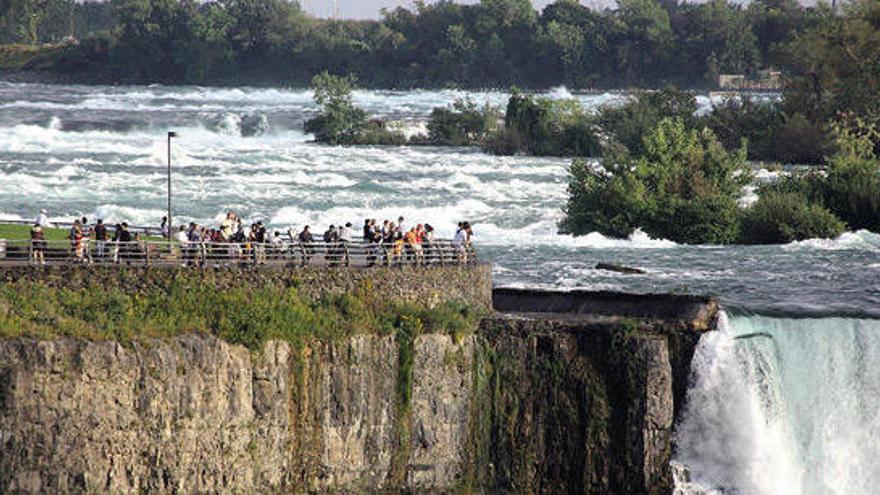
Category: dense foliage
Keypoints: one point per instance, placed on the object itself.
(236, 315)
(544, 127)
(340, 121)
(492, 43)
(780, 217)
(852, 188)
(683, 187)
(462, 124)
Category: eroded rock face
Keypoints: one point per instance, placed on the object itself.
(197, 415)
(529, 403)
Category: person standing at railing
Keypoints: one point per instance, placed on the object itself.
(76, 240)
(38, 244)
(42, 219)
(183, 243)
(87, 239)
(413, 246)
(373, 238)
(331, 238)
(427, 235)
(396, 244)
(468, 242)
(258, 240)
(306, 240)
(458, 243)
(101, 239)
(117, 234)
(125, 247)
(346, 236)
(227, 226)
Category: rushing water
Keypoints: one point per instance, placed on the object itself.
(782, 405)
(791, 409)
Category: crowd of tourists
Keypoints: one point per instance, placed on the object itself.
(113, 244)
(389, 242)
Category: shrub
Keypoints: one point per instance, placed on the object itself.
(375, 132)
(340, 121)
(631, 122)
(599, 201)
(743, 119)
(798, 140)
(683, 187)
(781, 217)
(853, 184)
(462, 124)
(544, 127)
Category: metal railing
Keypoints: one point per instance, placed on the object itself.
(212, 254)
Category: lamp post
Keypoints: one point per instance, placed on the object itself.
(171, 134)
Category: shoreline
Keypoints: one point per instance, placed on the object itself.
(55, 78)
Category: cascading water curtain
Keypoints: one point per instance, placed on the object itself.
(782, 406)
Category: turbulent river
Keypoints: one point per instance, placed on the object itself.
(791, 409)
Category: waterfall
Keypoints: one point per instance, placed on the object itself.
(782, 406)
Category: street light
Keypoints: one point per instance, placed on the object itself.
(171, 134)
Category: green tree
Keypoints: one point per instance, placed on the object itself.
(782, 217)
(630, 123)
(716, 37)
(340, 121)
(853, 183)
(835, 65)
(643, 40)
(683, 187)
(462, 124)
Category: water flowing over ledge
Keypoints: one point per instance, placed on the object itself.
(782, 405)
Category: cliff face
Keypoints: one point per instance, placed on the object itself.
(530, 402)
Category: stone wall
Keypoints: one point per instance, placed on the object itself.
(429, 285)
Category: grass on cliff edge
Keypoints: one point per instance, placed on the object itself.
(239, 316)
(17, 232)
(23, 232)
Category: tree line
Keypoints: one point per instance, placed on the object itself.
(494, 43)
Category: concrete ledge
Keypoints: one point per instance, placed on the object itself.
(697, 312)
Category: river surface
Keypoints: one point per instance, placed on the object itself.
(100, 152)
(785, 397)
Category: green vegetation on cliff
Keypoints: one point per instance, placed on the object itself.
(239, 315)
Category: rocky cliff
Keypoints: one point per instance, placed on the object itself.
(529, 402)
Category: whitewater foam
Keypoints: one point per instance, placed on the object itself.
(783, 406)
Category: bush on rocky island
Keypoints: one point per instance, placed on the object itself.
(542, 126)
(782, 217)
(683, 187)
(852, 188)
(629, 123)
(462, 124)
(340, 121)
